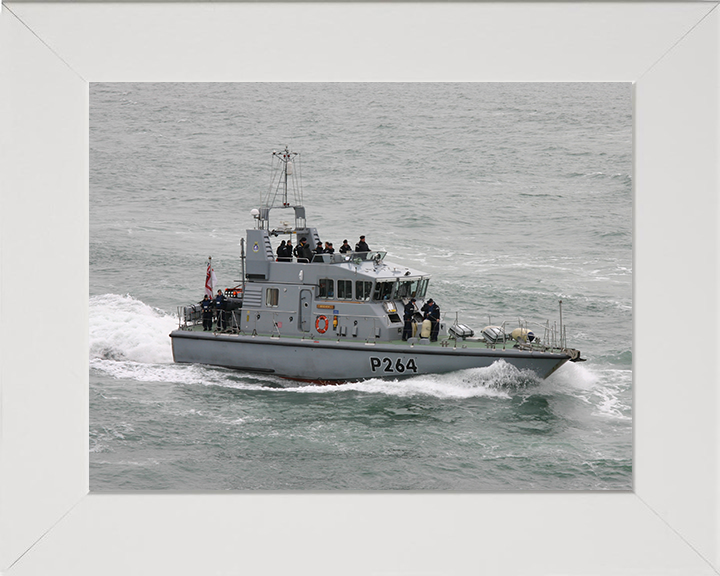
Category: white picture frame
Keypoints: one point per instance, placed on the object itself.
(49, 523)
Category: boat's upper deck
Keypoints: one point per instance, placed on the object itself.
(262, 263)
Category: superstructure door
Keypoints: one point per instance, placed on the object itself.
(305, 316)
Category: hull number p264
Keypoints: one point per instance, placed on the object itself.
(390, 365)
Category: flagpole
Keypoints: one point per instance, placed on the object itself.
(209, 277)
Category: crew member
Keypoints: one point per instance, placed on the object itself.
(302, 252)
(220, 310)
(207, 313)
(432, 312)
(362, 246)
(307, 251)
(408, 315)
(281, 251)
(345, 247)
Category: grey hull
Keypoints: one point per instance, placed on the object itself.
(327, 361)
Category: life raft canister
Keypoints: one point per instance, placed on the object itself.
(493, 334)
(325, 324)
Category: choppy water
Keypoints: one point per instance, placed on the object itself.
(513, 196)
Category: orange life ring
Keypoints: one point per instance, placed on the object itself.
(326, 324)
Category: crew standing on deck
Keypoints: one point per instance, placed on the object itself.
(220, 310)
(362, 246)
(303, 252)
(306, 251)
(432, 313)
(207, 313)
(345, 247)
(284, 252)
(408, 316)
(288, 252)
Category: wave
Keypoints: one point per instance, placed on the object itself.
(501, 380)
(605, 389)
(125, 329)
(616, 358)
(604, 392)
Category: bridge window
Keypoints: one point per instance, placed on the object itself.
(327, 288)
(407, 289)
(383, 290)
(344, 289)
(422, 288)
(363, 290)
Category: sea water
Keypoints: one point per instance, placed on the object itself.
(513, 196)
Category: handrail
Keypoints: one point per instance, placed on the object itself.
(337, 258)
(552, 337)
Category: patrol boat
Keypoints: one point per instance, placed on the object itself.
(339, 317)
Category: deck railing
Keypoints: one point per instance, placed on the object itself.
(350, 325)
(337, 258)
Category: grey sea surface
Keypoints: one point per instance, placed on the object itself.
(514, 196)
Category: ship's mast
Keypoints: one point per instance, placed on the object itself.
(286, 161)
(286, 179)
(287, 168)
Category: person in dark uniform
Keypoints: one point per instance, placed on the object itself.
(345, 247)
(433, 314)
(207, 313)
(281, 251)
(220, 310)
(319, 248)
(362, 246)
(305, 250)
(302, 251)
(408, 315)
(329, 248)
(288, 252)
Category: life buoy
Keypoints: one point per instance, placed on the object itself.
(326, 324)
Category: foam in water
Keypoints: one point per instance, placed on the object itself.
(499, 380)
(601, 387)
(125, 329)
